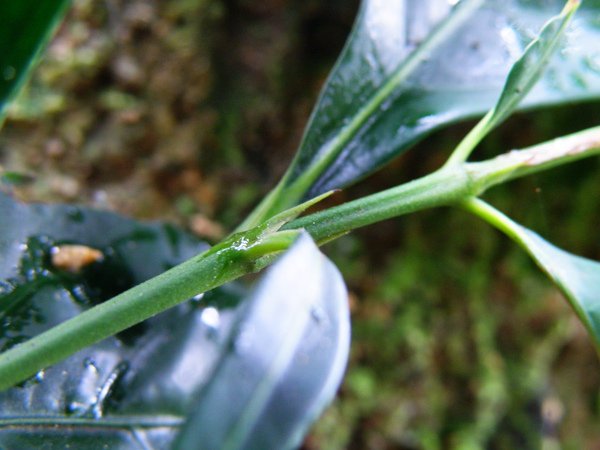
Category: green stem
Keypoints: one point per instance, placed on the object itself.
(448, 185)
(495, 218)
(249, 251)
(440, 188)
(544, 156)
(242, 253)
(465, 147)
(201, 273)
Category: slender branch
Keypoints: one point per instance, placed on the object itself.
(229, 260)
(449, 184)
(520, 163)
(241, 254)
(440, 188)
(252, 250)
(495, 218)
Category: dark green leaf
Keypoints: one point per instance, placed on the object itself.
(25, 26)
(527, 69)
(286, 359)
(105, 396)
(411, 67)
(15, 178)
(578, 278)
(522, 76)
(134, 390)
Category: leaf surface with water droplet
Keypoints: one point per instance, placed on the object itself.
(286, 360)
(106, 394)
(410, 68)
(136, 389)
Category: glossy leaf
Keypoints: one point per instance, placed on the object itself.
(521, 78)
(527, 69)
(578, 278)
(135, 390)
(25, 27)
(411, 67)
(286, 359)
(105, 396)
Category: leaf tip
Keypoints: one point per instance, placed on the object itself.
(571, 6)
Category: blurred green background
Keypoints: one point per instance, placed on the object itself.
(190, 110)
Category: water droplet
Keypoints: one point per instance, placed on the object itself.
(106, 389)
(79, 294)
(211, 319)
(39, 377)
(77, 408)
(386, 105)
(242, 244)
(89, 363)
(511, 41)
(81, 396)
(318, 314)
(6, 287)
(197, 298)
(30, 274)
(9, 73)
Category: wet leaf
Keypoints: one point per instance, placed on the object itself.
(412, 67)
(578, 278)
(25, 27)
(104, 396)
(286, 359)
(135, 390)
(522, 76)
